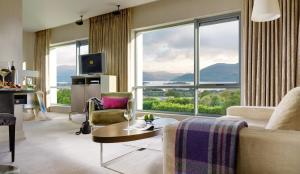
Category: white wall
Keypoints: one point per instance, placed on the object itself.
(156, 13)
(70, 32)
(28, 49)
(11, 32)
(11, 47)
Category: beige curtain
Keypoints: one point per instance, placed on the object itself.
(110, 34)
(271, 55)
(41, 53)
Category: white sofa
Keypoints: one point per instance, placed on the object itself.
(260, 151)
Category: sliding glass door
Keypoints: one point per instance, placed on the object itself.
(63, 63)
(218, 64)
(191, 68)
(165, 69)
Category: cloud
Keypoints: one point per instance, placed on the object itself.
(172, 49)
(221, 36)
(159, 44)
(66, 55)
(177, 65)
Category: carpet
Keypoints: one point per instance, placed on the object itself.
(51, 147)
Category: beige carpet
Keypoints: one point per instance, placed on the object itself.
(51, 147)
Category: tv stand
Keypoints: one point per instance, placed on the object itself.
(85, 87)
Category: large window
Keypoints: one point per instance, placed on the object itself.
(63, 63)
(191, 68)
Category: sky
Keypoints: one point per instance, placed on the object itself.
(172, 49)
(66, 55)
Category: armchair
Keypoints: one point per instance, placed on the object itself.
(110, 116)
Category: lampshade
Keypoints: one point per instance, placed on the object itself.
(265, 10)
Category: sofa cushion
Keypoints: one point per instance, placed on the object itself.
(114, 102)
(287, 114)
(110, 116)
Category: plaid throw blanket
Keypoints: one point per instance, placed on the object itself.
(207, 146)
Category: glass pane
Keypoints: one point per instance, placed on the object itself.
(66, 64)
(84, 49)
(64, 96)
(166, 100)
(62, 65)
(53, 95)
(216, 101)
(166, 56)
(61, 96)
(219, 53)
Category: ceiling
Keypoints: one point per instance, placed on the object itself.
(42, 14)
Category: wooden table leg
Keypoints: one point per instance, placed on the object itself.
(12, 133)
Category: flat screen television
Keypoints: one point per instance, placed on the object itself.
(92, 64)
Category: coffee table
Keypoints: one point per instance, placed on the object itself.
(117, 133)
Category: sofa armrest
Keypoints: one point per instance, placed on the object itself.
(268, 151)
(251, 112)
(91, 108)
(169, 137)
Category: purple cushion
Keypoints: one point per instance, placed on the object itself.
(114, 102)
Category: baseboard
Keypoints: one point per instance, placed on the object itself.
(60, 109)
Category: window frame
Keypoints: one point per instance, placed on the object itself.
(78, 44)
(197, 86)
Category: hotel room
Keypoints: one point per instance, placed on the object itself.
(149, 86)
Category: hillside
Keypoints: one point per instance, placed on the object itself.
(160, 76)
(64, 73)
(220, 72)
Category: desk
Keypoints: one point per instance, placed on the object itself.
(7, 105)
(7, 99)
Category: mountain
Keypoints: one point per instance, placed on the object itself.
(219, 72)
(65, 72)
(160, 76)
(184, 78)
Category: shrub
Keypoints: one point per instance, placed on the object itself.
(181, 100)
(64, 96)
(173, 107)
(149, 102)
(210, 102)
(219, 110)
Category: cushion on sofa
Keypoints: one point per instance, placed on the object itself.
(287, 114)
(105, 117)
(114, 102)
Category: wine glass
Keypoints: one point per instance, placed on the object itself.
(4, 72)
(127, 115)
